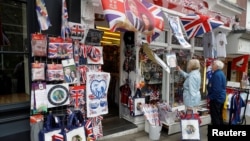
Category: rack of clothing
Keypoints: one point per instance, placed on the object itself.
(236, 104)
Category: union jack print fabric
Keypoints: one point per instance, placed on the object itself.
(57, 137)
(89, 130)
(65, 25)
(118, 14)
(54, 72)
(77, 96)
(77, 30)
(97, 126)
(83, 69)
(195, 24)
(59, 48)
(42, 15)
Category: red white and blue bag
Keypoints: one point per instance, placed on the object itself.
(52, 126)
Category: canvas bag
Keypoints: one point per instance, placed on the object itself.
(190, 129)
(74, 128)
(52, 126)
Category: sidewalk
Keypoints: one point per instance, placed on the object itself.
(143, 136)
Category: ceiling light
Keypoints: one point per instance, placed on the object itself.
(102, 28)
(106, 42)
(110, 38)
(111, 33)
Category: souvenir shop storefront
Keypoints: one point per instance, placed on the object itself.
(90, 61)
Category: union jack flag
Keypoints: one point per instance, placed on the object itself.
(77, 96)
(114, 11)
(42, 15)
(65, 26)
(76, 30)
(196, 24)
(158, 20)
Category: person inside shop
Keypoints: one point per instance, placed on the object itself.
(19, 75)
(191, 85)
(132, 14)
(217, 92)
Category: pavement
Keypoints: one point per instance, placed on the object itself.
(144, 136)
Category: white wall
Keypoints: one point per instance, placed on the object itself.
(248, 15)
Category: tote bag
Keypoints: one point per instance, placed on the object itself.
(76, 134)
(190, 129)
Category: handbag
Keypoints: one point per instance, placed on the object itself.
(190, 129)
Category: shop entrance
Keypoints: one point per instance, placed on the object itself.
(111, 58)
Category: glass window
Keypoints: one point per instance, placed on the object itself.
(14, 78)
(176, 81)
(198, 42)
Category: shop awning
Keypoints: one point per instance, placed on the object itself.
(134, 15)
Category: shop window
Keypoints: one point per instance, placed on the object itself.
(175, 41)
(14, 78)
(198, 42)
(176, 80)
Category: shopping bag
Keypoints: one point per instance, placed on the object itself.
(73, 126)
(76, 134)
(190, 129)
(52, 127)
(191, 116)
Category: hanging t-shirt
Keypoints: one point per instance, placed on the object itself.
(208, 45)
(221, 42)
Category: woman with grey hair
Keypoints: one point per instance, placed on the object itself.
(217, 92)
(191, 86)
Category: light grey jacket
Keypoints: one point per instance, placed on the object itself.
(191, 88)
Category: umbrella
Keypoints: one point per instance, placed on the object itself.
(196, 24)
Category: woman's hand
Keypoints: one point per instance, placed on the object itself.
(178, 68)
